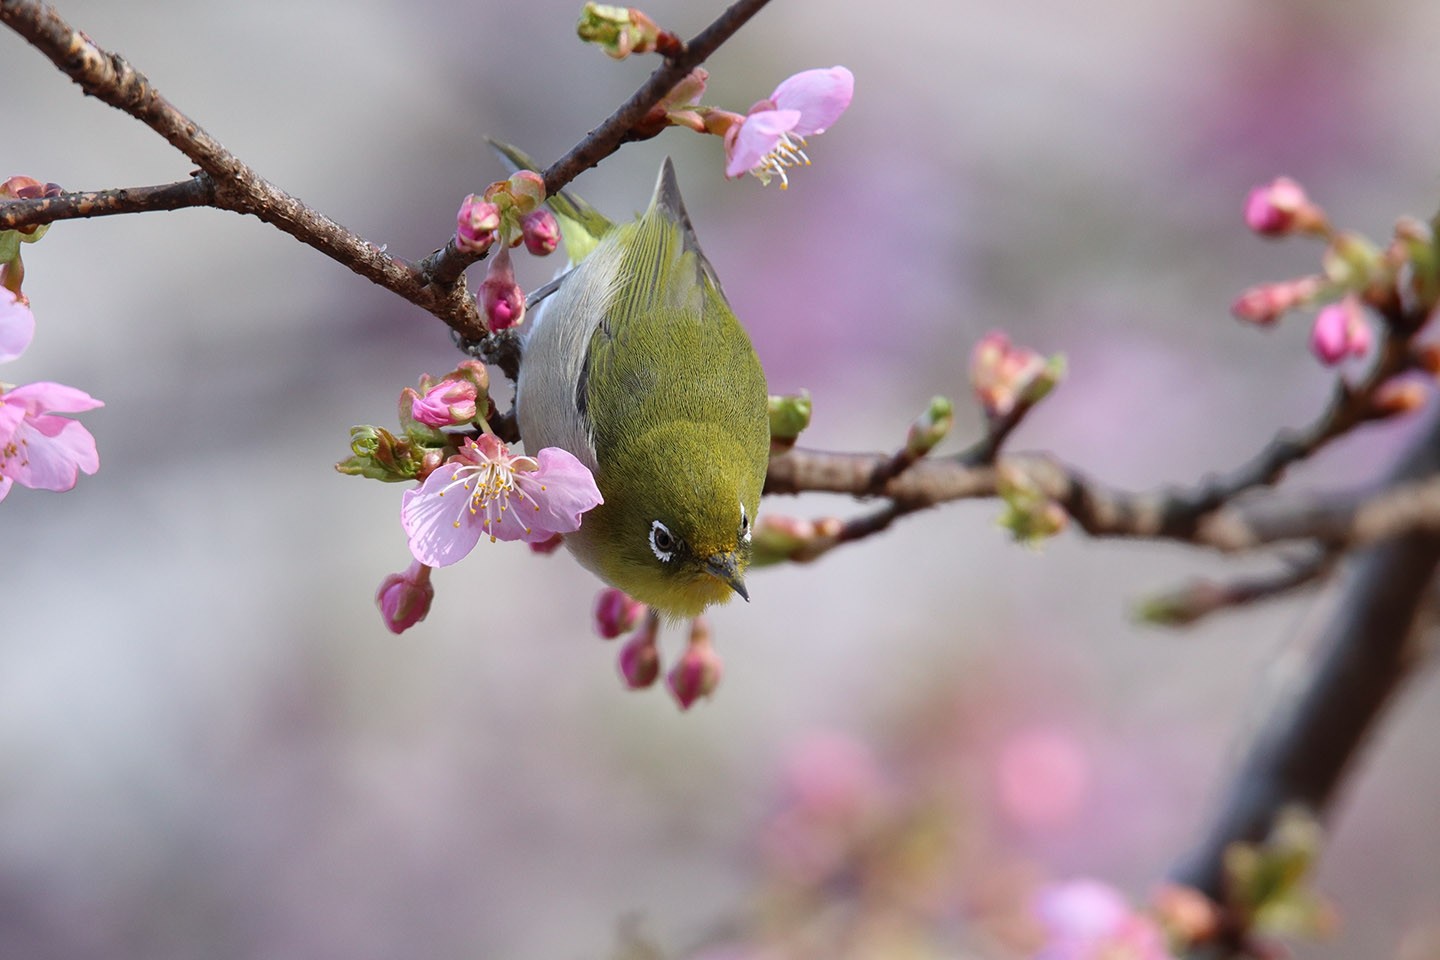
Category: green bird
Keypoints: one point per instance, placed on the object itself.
(638, 367)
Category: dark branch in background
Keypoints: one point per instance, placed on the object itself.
(1315, 729)
(444, 265)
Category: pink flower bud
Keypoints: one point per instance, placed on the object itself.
(1340, 331)
(541, 232)
(697, 674)
(500, 296)
(404, 598)
(1281, 207)
(476, 224)
(639, 660)
(1265, 304)
(447, 404)
(1002, 373)
(616, 612)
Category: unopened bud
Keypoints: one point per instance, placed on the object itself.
(777, 538)
(24, 188)
(930, 427)
(476, 224)
(619, 31)
(404, 598)
(616, 612)
(528, 189)
(639, 659)
(1280, 208)
(1029, 515)
(1004, 375)
(789, 415)
(1265, 304)
(541, 232)
(1340, 331)
(697, 673)
(379, 455)
(500, 296)
(1399, 396)
(449, 403)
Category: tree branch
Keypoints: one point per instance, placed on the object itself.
(199, 191)
(446, 264)
(109, 78)
(1316, 728)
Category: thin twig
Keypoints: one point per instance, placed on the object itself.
(198, 191)
(446, 264)
(1198, 599)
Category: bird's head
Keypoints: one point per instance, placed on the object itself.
(674, 531)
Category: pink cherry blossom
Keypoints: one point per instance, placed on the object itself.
(500, 296)
(1089, 920)
(616, 612)
(772, 136)
(486, 490)
(40, 450)
(1001, 372)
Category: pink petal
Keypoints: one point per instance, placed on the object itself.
(49, 452)
(569, 490)
(17, 325)
(5, 484)
(1082, 909)
(758, 135)
(429, 519)
(47, 397)
(820, 96)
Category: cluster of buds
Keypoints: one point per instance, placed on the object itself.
(1402, 280)
(789, 416)
(510, 211)
(694, 676)
(428, 417)
(778, 538)
(1008, 378)
(621, 31)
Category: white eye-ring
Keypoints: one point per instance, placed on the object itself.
(662, 542)
(744, 525)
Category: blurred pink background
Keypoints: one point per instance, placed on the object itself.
(209, 745)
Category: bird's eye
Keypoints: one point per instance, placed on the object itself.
(744, 524)
(662, 541)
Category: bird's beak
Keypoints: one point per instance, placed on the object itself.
(725, 567)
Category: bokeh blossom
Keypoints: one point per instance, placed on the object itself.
(1088, 920)
(772, 136)
(486, 490)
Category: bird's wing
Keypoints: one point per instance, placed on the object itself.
(581, 225)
